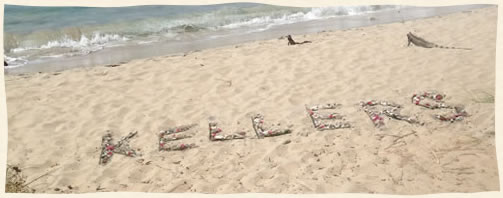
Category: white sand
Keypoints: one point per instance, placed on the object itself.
(56, 121)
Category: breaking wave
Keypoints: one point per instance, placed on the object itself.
(67, 34)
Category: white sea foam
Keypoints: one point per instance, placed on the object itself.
(15, 62)
(315, 14)
(85, 44)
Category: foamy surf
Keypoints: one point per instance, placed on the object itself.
(70, 31)
(15, 62)
(78, 37)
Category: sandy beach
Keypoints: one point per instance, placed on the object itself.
(56, 120)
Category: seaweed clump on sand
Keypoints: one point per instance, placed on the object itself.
(15, 181)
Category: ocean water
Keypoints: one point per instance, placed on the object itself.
(55, 38)
(35, 33)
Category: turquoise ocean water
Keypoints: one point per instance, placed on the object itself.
(32, 33)
(37, 37)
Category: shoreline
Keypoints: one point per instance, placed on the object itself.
(123, 54)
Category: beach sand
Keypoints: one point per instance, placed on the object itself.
(56, 120)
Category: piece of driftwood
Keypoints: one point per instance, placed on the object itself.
(180, 129)
(175, 136)
(166, 137)
(435, 100)
(319, 119)
(215, 133)
(262, 131)
(255, 129)
(430, 99)
(122, 147)
(292, 42)
(459, 114)
(331, 126)
(392, 111)
(418, 41)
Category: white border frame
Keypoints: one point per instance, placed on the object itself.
(296, 3)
